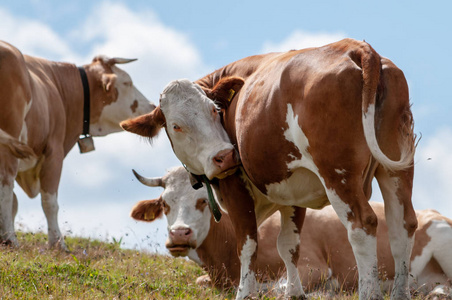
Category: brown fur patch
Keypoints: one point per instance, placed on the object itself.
(201, 204)
(147, 210)
(134, 106)
(147, 125)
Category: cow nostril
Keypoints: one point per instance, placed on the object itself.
(187, 231)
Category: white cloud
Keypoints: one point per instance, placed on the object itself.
(32, 37)
(300, 39)
(163, 53)
(433, 171)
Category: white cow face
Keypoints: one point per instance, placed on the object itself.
(120, 99)
(186, 211)
(193, 125)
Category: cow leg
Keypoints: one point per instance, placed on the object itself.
(7, 234)
(50, 206)
(360, 221)
(15, 206)
(402, 223)
(240, 206)
(8, 169)
(289, 247)
(50, 178)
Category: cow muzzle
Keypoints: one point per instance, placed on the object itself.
(180, 241)
(226, 162)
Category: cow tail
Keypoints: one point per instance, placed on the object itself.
(371, 66)
(15, 147)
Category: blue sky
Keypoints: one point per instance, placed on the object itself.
(187, 39)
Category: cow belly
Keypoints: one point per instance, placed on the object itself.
(303, 188)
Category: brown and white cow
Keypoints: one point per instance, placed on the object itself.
(42, 117)
(324, 254)
(306, 128)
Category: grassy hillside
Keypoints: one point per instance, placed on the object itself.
(97, 270)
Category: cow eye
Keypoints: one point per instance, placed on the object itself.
(177, 128)
(214, 112)
(165, 208)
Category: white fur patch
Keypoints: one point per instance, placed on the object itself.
(247, 286)
(303, 188)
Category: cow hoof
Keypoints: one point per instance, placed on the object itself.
(204, 281)
(60, 246)
(301, 297)
(10, 243)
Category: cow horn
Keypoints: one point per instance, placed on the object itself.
(152, 182)
(119, 60)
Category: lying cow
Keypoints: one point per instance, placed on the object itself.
(46, 107)
(192, 232)
(301, 129)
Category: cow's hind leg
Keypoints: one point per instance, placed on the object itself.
(8, 171)
(402, 223)
(360, 221)
(289, 247)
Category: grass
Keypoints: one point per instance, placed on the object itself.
(100, 270)
(95, 270)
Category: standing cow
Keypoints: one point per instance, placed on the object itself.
(301, 129)
(45, 108)
(325, 260)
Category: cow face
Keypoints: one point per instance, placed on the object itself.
(186, 211)
(193, 125)
(116, 96)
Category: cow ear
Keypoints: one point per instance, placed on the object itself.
(147, 210)
(108, 81)
(225, 90)
(147, 125)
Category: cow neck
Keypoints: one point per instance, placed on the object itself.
(85, 142)
(218, 252)
(67, 80)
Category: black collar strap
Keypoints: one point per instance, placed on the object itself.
(197, 184)
(85, 141)
(86, 101)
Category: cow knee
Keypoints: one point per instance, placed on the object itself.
(410, 223)
(370, 223)
(362, 228)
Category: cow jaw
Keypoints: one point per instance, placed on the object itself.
(195, 130)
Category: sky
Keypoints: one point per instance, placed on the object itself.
(189, 39)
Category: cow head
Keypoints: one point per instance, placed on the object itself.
(114, 98)
(193, 124)
(186, 210)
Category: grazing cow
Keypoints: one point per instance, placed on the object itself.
(300, 129)
(324, 256)
(46, 106)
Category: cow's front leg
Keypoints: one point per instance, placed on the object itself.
(240, 208)
(289, 247)
(50, 207)
(50, 179)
